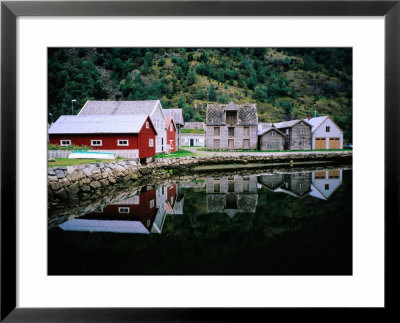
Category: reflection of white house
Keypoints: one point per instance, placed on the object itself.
(325, 183)
(326, 134)
(152, 108)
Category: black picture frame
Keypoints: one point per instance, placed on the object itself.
(10, 10)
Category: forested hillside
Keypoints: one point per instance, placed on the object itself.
(284, 82)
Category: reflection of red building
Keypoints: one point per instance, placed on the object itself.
(170, 128)
(171, 197)
(133, 215)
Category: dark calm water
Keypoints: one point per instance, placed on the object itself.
(281, 223)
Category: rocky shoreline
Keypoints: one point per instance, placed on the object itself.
(85, 180)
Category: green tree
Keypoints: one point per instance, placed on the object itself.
(191, 77)
(212, 94)
(181, 102)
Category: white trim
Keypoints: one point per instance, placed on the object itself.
(61, 142)
(82, 107)
(124, 209)
(151, 142)
(96, 145)
(127, 142)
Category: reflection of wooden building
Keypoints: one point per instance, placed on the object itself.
(232, 194)
(137, 214)
(294, 184)
(325, 183)
(271, 181)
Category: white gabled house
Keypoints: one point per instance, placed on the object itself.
(153, 108)
(325, 133)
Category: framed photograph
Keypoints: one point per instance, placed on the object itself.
(193, 160)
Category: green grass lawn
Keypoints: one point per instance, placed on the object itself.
(192, 130)
(269, 151)
(73, 162)
(178, 153)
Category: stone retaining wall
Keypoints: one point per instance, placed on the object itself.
(82, 180)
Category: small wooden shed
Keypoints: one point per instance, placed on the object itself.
(271, 139)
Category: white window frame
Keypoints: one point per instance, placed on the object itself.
(151, 203)
(94, 145)
(151, 142)
(62, 144)
(170, 127)
(119, 144)
(147, 125)
(172, 200)
(124, 209)
(272, 133)
(301, 131)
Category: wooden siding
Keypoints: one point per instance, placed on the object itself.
(171, 137)
(268, 142)
(238, 137)
(298, 140)
(110, 141)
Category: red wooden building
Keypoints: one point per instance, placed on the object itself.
(170, 129)
(108, 133)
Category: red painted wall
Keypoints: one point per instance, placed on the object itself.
(171, 192)
(171, 136)
(137, 212)
(145, 135)
(110, 141)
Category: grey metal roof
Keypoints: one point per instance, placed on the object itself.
(316, 122)
(118, 107)
(264, 131)
(194, 125)
(247, 114)
(175, 114)
(264, 125)
(98, 124)
(289, 124)
(104, 226)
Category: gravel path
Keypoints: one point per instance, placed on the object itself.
(241, 153)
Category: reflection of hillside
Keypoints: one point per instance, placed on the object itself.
(231, 194)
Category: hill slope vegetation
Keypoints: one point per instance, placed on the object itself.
(284, 82)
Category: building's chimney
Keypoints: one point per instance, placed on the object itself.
(309, 117)
(117, 97)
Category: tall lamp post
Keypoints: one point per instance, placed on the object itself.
(73, 101)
